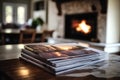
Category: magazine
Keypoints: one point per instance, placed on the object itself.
(60, 58)
(57, 70)
(54, 53)
(63, 61)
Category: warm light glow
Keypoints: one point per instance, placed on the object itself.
(8, 47)
(24, 72)
(83, 27)
(84, 44)
(65, 47)
(8, 30)
(20, 46)
(58, 53)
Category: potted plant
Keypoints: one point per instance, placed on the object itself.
(36, 22)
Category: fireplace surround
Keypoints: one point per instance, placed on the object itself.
(73, 21)
(107, 23)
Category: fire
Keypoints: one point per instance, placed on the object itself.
(83, 27)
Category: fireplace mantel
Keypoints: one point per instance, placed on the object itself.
(60, 2)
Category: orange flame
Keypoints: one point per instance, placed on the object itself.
(83, 27)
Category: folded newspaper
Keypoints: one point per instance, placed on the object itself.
(61, 58)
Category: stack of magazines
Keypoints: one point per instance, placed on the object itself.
(61, 58)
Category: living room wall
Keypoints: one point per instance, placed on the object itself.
(41, 11)
(113, 25)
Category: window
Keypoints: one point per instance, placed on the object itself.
(8, 14)
(20, 17)
(14, 13)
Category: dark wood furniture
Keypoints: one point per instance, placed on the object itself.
(16, 69)
(46, 34)
(11, 36)
(13, 68)
(27, 36)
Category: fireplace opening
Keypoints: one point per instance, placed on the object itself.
(81, 26)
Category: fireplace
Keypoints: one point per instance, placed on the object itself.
(82, 26)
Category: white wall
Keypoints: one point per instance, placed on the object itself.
(52, 17)
(113, 24)
(113, 21)
(39, 13)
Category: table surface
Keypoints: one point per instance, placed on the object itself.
(17, 69)
(12, 35)
(16, 31)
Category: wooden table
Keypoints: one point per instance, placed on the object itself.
(13, 68)
(14, 33)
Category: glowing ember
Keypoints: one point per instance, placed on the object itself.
(83, 27)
